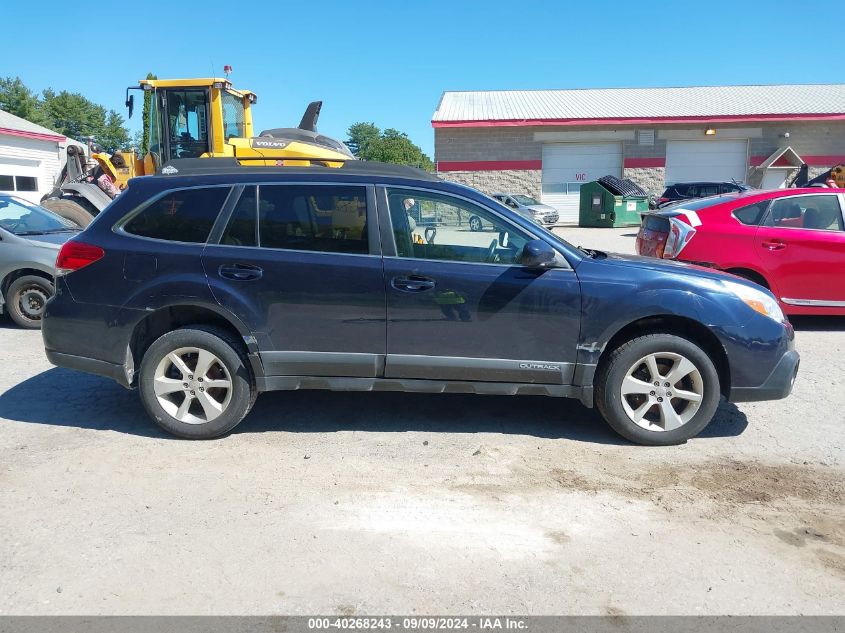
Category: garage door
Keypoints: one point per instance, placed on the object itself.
(690, 161)
(566, 166)
(20, 177)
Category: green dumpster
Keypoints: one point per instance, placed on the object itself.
(611, 201)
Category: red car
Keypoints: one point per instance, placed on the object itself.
(792, 241)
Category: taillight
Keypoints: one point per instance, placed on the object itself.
(75, 255)
(680, 233)
(662, 200)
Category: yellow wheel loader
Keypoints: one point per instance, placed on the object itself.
(191, 118)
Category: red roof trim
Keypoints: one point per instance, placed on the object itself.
(487, 165)
(813, 161)
(644, 162)
(727, 118)
(36, 135)
(629, 163)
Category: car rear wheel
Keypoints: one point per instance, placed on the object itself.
(195, 382)
(475, 223)
(26, 298)
(658, 389)
(70, 210)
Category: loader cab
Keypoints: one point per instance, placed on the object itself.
(194, 118)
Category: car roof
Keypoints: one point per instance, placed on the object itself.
(233, 167)
(750, 196)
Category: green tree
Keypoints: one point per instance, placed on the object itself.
(19, 100)
(368, 142)
(114, 135)
(145, 118)
(361, 135)
(68, 113)
(73, 115)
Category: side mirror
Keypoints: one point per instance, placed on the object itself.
(538, 254)
(130, 105)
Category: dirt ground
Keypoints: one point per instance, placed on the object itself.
(389, 503)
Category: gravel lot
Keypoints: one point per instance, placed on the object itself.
(390, 503)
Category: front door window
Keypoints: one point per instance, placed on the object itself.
(464, 232)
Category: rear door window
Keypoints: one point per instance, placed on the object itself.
(186, 215)
(708, 190)
(242, 228)
(817, 212)
(327, 218)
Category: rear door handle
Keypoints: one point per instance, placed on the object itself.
(240, 272)
(413, 283)
(774, 245)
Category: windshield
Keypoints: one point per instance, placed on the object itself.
(22, 218)
(527, 200)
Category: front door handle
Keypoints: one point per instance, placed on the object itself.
(413, 283)
(240, 272)
(774, 245)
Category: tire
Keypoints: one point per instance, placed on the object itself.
(475, 224)
(220, 408)
(750, 275)
(657, 426)
(69, 210)
(25, 300)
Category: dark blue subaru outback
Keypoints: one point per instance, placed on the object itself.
(212, 282)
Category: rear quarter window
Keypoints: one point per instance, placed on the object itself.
(752, 214)
(180, 216)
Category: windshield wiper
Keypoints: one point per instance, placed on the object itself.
(592, 253)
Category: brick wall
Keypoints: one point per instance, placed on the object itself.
(525, 181)
(649, 178)
(518, 144)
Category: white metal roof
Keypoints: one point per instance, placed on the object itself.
(640, 103)
(9, 121)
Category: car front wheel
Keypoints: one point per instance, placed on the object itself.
(658, 389)
(475, 223)
(195, 382)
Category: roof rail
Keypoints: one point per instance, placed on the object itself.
(227, 164)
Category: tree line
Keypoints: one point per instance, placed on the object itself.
(367, 142)
(77, 117)
(68, 113)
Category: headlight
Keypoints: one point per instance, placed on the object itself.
(756, 300)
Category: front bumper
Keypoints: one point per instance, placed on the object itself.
(777, 386)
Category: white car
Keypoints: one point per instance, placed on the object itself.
(528, 206)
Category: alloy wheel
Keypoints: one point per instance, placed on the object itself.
(192, 385)
(662, 391)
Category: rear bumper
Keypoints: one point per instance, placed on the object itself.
(90, 366)
(777, 386)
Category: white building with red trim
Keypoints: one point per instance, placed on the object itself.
(30, 157)
(546, 143)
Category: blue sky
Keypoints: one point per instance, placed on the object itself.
(388, 62)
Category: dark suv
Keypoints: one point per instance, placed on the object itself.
(691, 190)
(212, 282)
